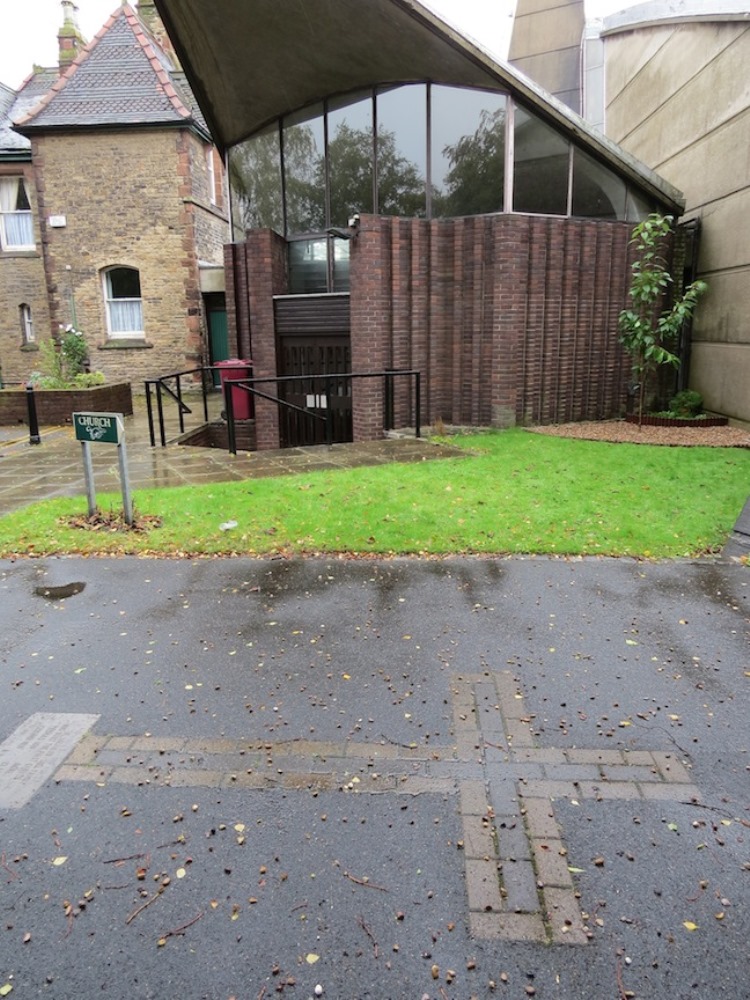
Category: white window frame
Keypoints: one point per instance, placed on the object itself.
(133, 304)
(9, 191)
(211, 171)
(27, 323)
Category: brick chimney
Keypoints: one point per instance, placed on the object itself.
(69, 37)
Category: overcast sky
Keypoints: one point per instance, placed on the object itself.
(30, 27)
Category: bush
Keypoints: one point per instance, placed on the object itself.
(64, 362)
(687, 403)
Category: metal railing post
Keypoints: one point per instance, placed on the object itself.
(150, 412)
(388, 401)
(417, 404)
(180, 414)
(160, 411)
(329, 412)
(231, 435)
(34, 437)
(205, 394)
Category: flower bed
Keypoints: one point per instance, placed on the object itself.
(55, 406)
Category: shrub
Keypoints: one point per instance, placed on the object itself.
(64, 362)
(687, 403)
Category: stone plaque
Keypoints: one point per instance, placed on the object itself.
(35, 750)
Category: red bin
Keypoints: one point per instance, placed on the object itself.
(243, 404)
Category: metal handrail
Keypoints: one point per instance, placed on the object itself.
(161, 386)
(249, 385)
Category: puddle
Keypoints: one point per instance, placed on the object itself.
(58, 593)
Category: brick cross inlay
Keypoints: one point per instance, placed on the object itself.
(518, 880)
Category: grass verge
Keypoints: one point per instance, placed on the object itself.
(514, 492)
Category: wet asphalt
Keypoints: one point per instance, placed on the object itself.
(187, 875)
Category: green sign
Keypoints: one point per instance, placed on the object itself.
(104, 428)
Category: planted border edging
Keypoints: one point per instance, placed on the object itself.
(55, 406)
(647, 421)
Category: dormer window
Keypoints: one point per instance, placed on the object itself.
(16, 224)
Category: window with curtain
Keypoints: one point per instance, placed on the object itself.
(16, 225)
(122, 293)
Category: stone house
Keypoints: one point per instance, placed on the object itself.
(667, 80)
(112, 206)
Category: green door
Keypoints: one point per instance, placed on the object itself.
(218, 338)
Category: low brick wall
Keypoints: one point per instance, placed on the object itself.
(215, 435)
(650, 421)
(55, 406)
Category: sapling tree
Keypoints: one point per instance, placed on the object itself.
(648, 332)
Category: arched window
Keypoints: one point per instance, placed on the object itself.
(122, 296)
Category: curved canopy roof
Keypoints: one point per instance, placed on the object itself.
(251, 61)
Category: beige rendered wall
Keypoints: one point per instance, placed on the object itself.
(678, 97)
(546, 46)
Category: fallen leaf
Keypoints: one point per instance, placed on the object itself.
(59, 861)
(689, 925)
(5, 990)
(311, 958)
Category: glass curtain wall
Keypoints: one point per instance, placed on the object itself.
(419, 151)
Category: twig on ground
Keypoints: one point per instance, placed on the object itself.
(368, 932)
(4, 864)
(364, 882)
(148, 902)
(182, 928)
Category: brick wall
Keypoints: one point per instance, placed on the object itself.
(510, 319)
(256, 271)
(55, 406)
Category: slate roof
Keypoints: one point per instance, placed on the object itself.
(121, 78)
(16, 104)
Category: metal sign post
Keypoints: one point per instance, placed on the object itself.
(104, 428)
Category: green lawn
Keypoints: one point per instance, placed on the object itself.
(515, 492)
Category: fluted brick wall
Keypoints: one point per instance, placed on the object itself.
(511, 319)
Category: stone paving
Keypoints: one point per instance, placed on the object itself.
(54, 468)
(518, 873)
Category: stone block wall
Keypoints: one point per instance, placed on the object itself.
(129, 198)
(22, 282)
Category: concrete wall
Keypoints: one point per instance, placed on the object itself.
(546, 46)
(678, 97)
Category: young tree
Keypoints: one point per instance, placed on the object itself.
(648, 332)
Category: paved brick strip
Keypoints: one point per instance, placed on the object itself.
(518, 879)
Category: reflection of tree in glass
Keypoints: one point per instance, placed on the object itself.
(475, 180)
(304, 180)
(401, 189)
(255, 180)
